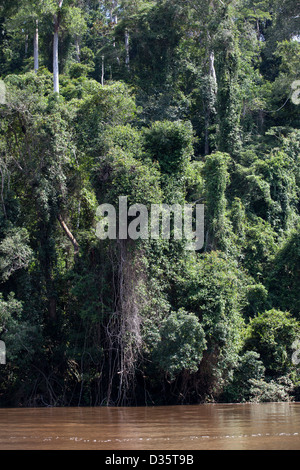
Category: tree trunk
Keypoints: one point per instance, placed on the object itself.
(77, 45)
(52, 308)
(113, 15)
(55, 56)
(114, 22)
(211, 99)
(127, 58)
(212, 71)
(69, 235)
(102, 73)
(56, 19)
(36, 47)
(26, 45)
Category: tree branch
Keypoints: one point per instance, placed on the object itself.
(69, 235)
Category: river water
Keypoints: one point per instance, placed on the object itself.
(268, 426)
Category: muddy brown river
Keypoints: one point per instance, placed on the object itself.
(269, 426)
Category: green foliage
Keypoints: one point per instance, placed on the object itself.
(216, 176)
(129, 177)
(127, 138)
(270, 391)
(22, 338)
(250, 369)
(79, 70)
(197, 109)
(257, 299)
(284, 275)
(260, 245)
(228, 99)
(278, 170)
(15, 252)
(214, 289)
(272, 334)
(170, 144)
(9, 309)
(181, 344)
(103, 107)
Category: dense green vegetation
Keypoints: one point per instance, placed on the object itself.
(162, 101)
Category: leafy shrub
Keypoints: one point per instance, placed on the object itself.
(181, 343)
(249, 369)
(272, 334)
(171, 144)
(265, 391)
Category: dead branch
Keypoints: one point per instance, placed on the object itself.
(69, 235)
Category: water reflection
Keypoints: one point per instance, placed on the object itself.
(248, 426)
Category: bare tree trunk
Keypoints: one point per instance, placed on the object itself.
(114, 21)
(102, 73)
(55, 56)
(69, 235)
(112, 14)
(56, 19)
(127, 58)
(212, 92)
(36, 46)
(77, 45)
(52, 307)
(212, 71)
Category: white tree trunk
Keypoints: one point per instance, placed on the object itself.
(114, 21)
(127, 58)
(212, 93)
(55, 56)
(36, 47)
(212, 70)
(56, 19)
(77, 46)
(102, 73)
(113, 15)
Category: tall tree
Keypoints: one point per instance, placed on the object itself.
(27, 19)
(228, 98)
(36, 46)
(56, 21)
(75, 24)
